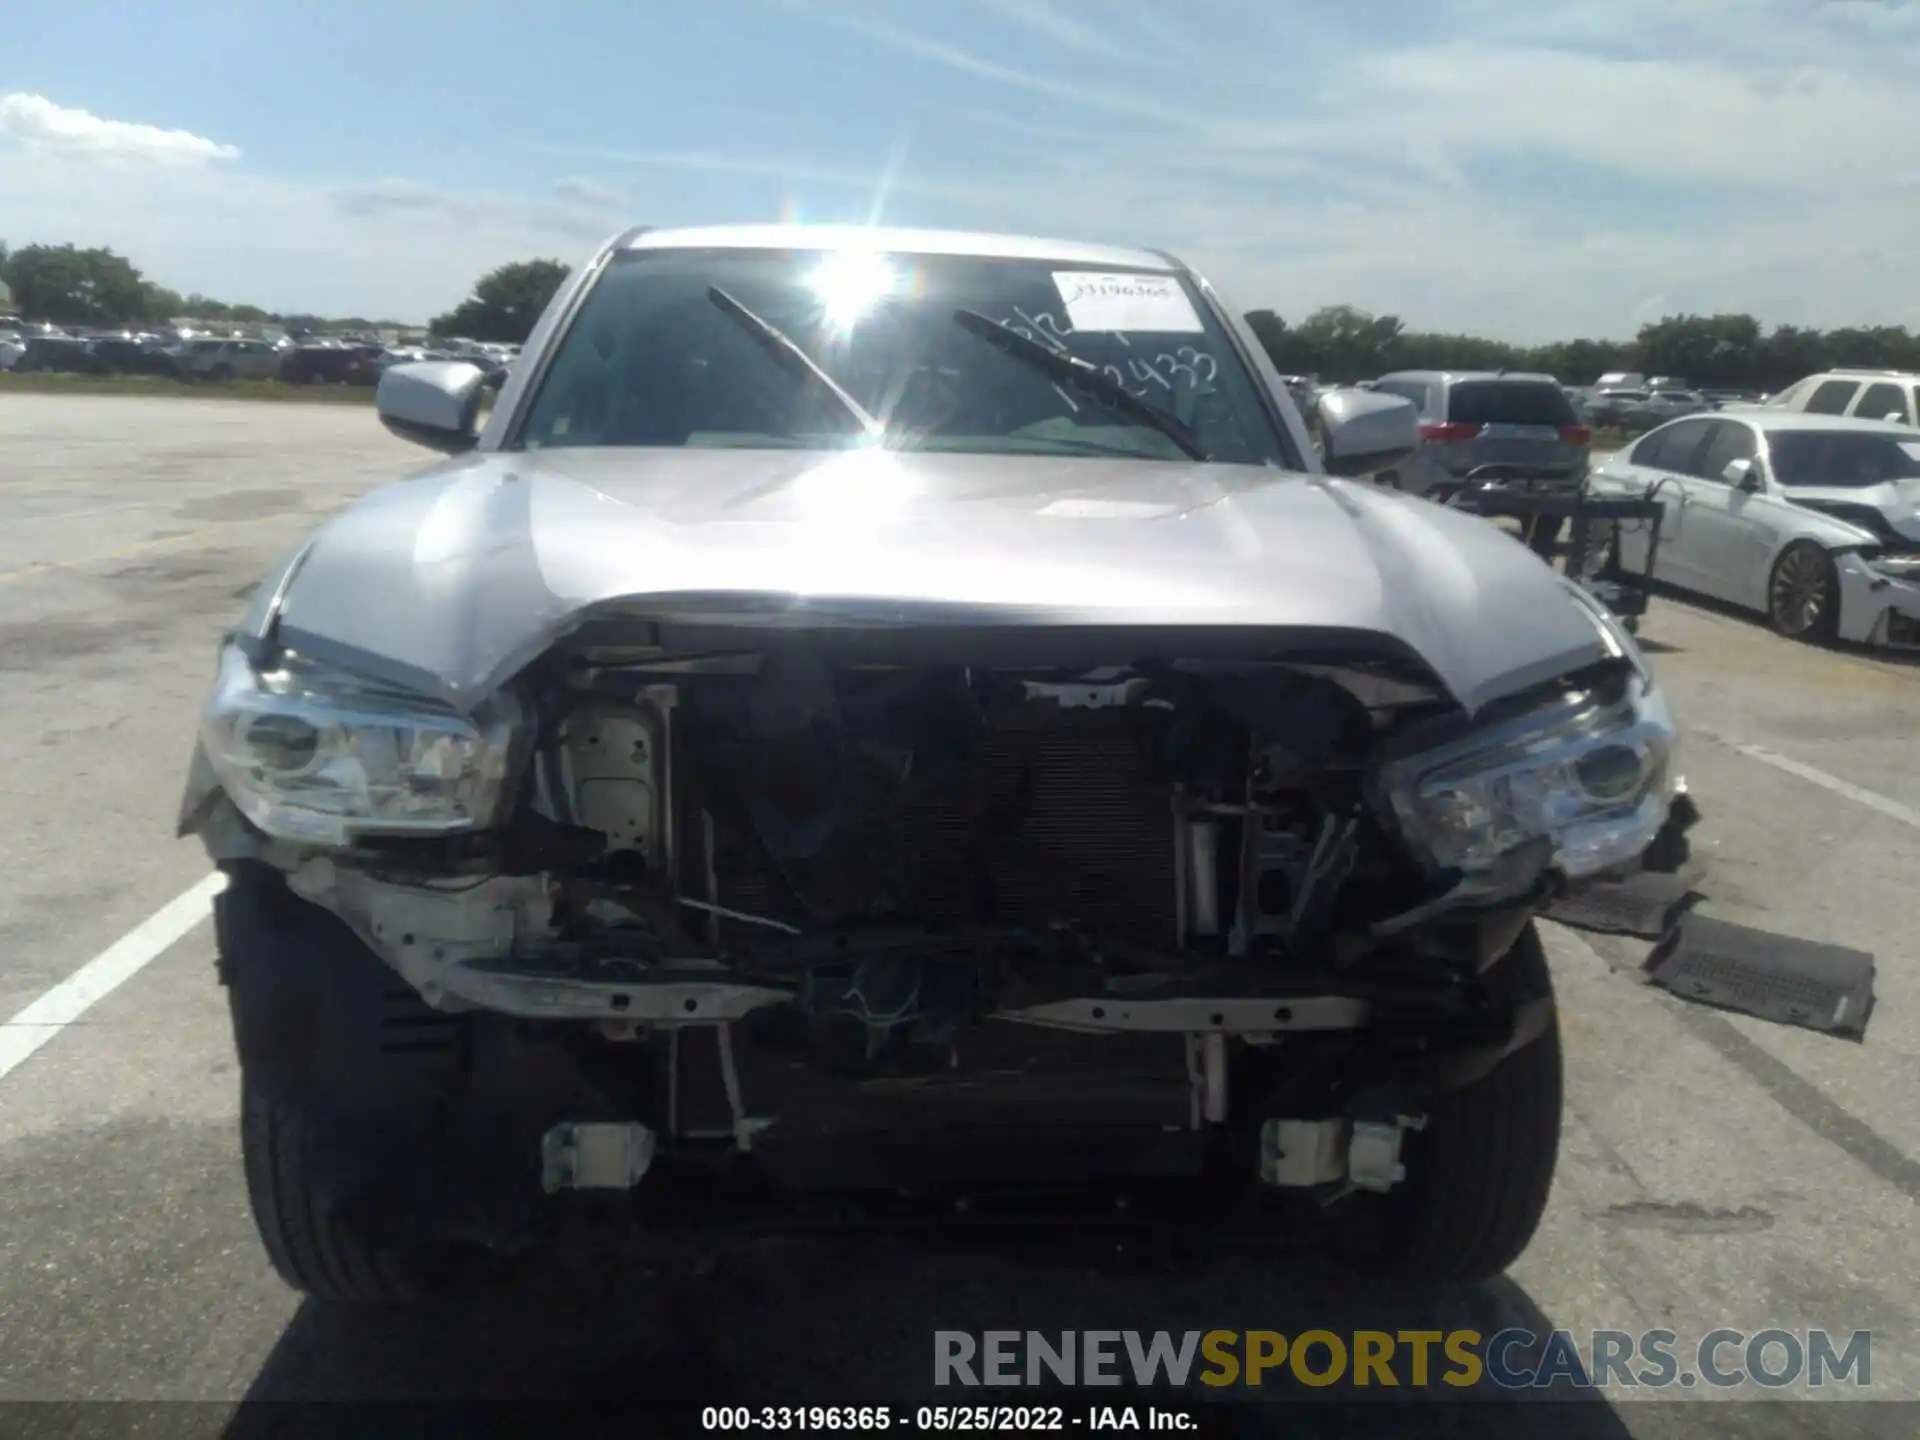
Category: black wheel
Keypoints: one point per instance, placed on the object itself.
(1479, 1174)
(1803, 593)
(316, 1245)
(333, 1108)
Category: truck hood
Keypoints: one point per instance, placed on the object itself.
(452, 581)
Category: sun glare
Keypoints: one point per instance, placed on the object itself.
(849, 284)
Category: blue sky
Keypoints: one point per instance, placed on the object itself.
(1521, 169)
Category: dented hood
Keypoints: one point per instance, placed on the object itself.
(452, 581)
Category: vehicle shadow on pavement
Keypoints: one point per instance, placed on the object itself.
(819, 1322)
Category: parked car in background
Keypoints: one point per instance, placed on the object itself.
(1719, 397)
(1665, 404)
(1863, 394)
(1618, 408)
(1811, 519)
(332, 365)
(487, 358)
(1510, 428)
(227, 360)
(55, 354)
(130, 353)
(1635, 411)
(1622, 380)
(412, 355)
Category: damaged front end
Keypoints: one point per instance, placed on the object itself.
(805, 887)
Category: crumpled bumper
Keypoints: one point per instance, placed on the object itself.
(1877, 609)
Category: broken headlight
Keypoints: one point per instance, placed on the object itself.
(1589, 773)
(313, 755)
(1894, 564)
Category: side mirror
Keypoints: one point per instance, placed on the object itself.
(1365, 432)
(435, 403)
(1741, 475)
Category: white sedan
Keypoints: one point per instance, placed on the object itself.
(1813, 520)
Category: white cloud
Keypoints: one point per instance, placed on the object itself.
(872, 179)
(887, 30)
(36, 122)
(195, 222)
(1753, 155)
(576, 190)
(393, 249)
(1097, 36)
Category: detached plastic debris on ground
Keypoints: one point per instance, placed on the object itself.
(1734, 967)
(1773, 977)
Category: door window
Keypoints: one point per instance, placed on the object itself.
(1674, 447)
(1881, 400)
(1406, 389)
(1831, 398)
(1647, 451)
(1729, 441)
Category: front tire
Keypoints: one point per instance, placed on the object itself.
(314, 1245)
(332, 1111)
(1803, 594)
(1480, 1173)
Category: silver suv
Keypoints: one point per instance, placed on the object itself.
(1497, 426)
(1863, 394)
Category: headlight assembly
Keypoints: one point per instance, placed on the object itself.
(314, 755)
(1590, 774)
(1892, 565)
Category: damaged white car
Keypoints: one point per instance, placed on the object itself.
(1813, 520)
(881, 726)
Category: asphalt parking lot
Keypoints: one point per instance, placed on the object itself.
(1716, 1171)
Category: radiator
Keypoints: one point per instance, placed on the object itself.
(1058, 816)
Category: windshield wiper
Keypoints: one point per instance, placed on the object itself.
(1074, 371)
(781, 346)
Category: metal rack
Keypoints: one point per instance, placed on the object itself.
(1625, 595)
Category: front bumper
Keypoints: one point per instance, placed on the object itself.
(1877, 609)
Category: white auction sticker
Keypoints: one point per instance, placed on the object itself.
(1101, 301)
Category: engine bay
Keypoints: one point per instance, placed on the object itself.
(1173, 812)
(698, 837)
(799, 900)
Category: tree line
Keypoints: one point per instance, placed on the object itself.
(99, 289)
(1344, 344)
(102, 290)
(1340, 343)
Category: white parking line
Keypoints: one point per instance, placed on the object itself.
(66, 1002)
(1872, 799)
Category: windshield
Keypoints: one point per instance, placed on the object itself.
(654, 360)
(1838, 459)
